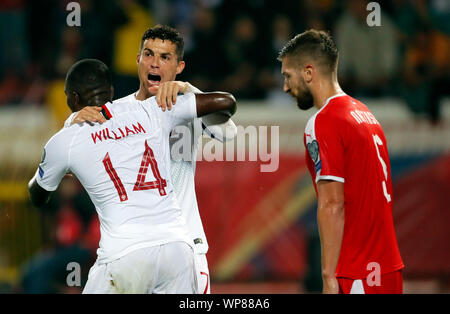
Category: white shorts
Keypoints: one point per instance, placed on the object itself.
(204, 284)
(167, 269)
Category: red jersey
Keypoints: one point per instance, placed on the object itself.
(345, 143)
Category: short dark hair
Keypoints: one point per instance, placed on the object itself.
(313, 43)
(165, 32)
(87, 75)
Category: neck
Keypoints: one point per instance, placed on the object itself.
(325, 89)
(142, 94)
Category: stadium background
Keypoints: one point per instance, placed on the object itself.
(261, 227)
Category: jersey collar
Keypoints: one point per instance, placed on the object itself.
(331, 98)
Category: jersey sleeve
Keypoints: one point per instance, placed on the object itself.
(326, 149)
(221, 131)
(184, 110)
(54, 164)
(69, 120)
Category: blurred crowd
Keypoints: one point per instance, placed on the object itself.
(230, 45)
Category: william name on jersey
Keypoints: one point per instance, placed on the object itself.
(106, 135)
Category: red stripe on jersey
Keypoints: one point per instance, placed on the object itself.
(207, 282)
(108, 114)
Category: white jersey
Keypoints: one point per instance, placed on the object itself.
(182, 171)
(124, 165)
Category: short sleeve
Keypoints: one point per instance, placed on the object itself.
(54, 163)
(326, 149)
(213, 127)
(69, 120)
(184, 110)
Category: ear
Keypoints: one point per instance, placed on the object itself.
(138, 57)
(180, 67)
(308, 72)
(76, 100)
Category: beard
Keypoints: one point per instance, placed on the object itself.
(305, 100)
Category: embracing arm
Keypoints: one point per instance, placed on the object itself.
(89, 114)
(216, 125)
(330, 218)
(221, 103)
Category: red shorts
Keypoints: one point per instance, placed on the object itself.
(390, 283)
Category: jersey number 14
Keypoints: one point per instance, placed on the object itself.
(148, 159)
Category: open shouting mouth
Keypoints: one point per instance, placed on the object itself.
(154, 79)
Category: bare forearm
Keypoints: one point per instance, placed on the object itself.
(331, 220)
(215, 102)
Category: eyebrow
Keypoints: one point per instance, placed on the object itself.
(164, 54)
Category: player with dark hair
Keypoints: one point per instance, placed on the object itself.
(159, 61)
(124, 165)
(90, 79)
(347, 156)
(164, 33)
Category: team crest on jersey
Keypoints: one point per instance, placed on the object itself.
(313, 149)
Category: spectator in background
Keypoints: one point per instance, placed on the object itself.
(243, 59)
(72, 236)
(426, 71)
(424, 27)
(138, 19)
(369, 55)
(14, 52)
(319, 14)
(55, 99)
(204, 69)
(98, 30)
(281, 33)
(94, 39)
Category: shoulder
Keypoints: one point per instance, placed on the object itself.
(332, 114)
(62, 140)
(184, 107)
(125, 104)
(336, 108)
(188, 97)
